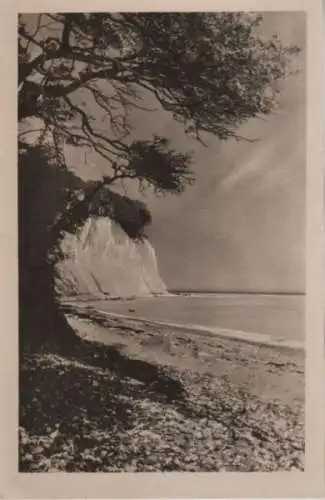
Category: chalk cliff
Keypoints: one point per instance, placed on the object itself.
(101, 259)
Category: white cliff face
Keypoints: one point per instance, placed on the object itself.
(102, 260)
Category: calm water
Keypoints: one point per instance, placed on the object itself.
(276, 315)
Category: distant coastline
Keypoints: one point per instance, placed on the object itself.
(179, 291)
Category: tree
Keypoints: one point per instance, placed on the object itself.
(82, 75)
(57, 189)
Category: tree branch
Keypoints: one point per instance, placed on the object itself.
(86, 126)
(64, 90)
(65, 41)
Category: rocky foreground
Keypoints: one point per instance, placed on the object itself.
(134, 397)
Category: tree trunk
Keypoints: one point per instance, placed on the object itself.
(28, 94)
(41, 323)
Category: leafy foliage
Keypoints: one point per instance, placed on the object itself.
(73, 201)
(82, 74)
(155, 164)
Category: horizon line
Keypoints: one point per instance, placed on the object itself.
(240, 292)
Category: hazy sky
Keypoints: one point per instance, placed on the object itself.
(241, 226)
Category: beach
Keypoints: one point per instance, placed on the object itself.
(277, 316)
(145, 397)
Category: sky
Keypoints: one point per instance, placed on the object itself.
(241, 226)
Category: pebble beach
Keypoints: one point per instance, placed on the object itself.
(142, 398)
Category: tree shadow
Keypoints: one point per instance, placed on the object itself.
(81, 405)
(88, 396)
(83, 395)
(157, 383)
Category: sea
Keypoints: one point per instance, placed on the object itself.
(275, 315)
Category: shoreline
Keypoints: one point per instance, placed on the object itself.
(139, 397)
(234, 334)
(266, 370)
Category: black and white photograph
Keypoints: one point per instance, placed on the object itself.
(162, 241)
